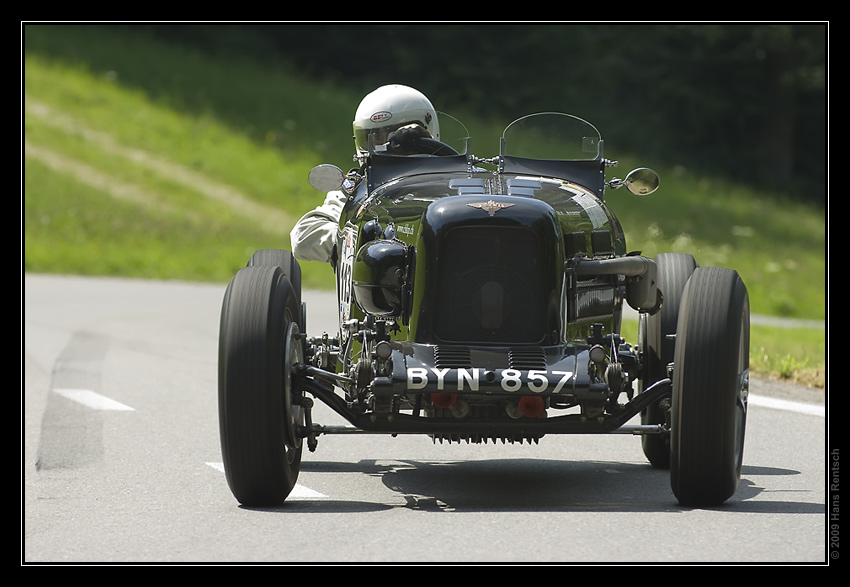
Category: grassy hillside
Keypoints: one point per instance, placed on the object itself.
(147, 160)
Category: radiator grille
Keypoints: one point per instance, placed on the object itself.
(490, 286)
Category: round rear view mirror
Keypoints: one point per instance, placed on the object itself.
(326, 177)
(642, 182)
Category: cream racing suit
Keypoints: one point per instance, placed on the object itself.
(315, 234)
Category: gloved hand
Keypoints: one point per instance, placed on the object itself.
(406, 138)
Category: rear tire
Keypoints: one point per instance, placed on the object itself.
(710, 385)
(286, 261)
(673, 272)
(289, 264)
(258, 409)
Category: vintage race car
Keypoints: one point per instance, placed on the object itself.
(481, 300)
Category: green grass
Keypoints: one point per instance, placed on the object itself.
(179, 166)
(793, 355)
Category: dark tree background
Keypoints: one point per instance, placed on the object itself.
(745, 100)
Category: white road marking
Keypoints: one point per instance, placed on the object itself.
(91, 399)
(298, 492)
(790, 406)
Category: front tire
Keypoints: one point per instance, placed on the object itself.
(258, 409)
(710, 385)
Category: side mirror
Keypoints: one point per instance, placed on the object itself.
(326, 177)
(642, 181)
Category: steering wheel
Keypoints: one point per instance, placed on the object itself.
(412, 144)
(435, 147)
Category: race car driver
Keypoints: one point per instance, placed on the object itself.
(393, 118)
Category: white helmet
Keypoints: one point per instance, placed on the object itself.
(391, 107)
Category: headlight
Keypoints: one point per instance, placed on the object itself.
(381, 276)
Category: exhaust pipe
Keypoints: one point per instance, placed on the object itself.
(642, 286)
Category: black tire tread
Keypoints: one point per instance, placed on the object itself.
(258, 303)
(705, 440)
(674, 270)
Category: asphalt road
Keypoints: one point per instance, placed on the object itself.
(121, 463)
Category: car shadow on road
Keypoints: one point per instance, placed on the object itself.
(538, 485)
